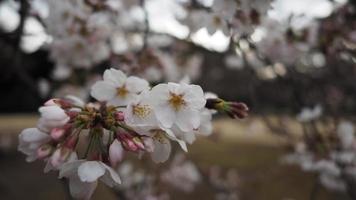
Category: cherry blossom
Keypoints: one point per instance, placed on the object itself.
(117, 88)
(178, 104)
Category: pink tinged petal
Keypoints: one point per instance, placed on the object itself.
(161, 152)
(188, 120)
(110, 178)
(90, 171)
(81, 190)
(44, 151)
(116, 153)
(136, 85)
(57, 133)
(51, 102)
(103, 91)
(165, 115)
(114, 76)
(57, 159)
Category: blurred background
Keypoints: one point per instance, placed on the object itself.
(292, 62)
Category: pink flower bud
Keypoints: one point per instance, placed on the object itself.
(57, 133)
(120, 116)
(59, 157)
(127, 142)
(51, 102)
(139, 143)
(44, 151)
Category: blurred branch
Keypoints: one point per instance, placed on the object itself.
(147, 24)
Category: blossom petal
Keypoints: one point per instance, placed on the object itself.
(187, 120)
(161, 151)
(103, 91)
(52, 113)
(33, 135)
(195, 97)
(90, 171)
(117, 77)
(81, 190)
(165, 115)
(110, 178)
(136, 85)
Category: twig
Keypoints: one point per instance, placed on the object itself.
(147, 24)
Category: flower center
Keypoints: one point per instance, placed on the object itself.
(141, 111)
(122, 91)
(176, 100)
(159, 136)
(217, 21)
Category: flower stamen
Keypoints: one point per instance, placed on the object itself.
(176, 101)
(141, 111)
(122, 91)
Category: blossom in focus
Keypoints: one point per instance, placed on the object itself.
(178, 104)
(117, 88)
(83, 177)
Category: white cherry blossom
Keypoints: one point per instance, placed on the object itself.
(178, 104)
(139, 114)
(117, 88)
(83, 177)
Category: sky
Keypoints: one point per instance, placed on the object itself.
(162, 17)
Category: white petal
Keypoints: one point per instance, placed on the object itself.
(117, 77)
(195, 97)
(161, 151)
(52, 113)
(70, 168)
(136, 85)
(110, 178)
(159, 93)
(90, 171)
(181, 143)
(189, 137)
(81, 190)
(33, 135)
(165, 115)
(75, 100)
(187, 120)
(103, 91)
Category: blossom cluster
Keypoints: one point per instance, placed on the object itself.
(331, 156)
(129, 116)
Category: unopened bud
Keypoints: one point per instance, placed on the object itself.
(120, 116)
(57, 133)
(44, 151)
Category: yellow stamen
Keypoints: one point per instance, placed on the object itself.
(122, 91)
(141, 111)
(159, 136)
(176, 100)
